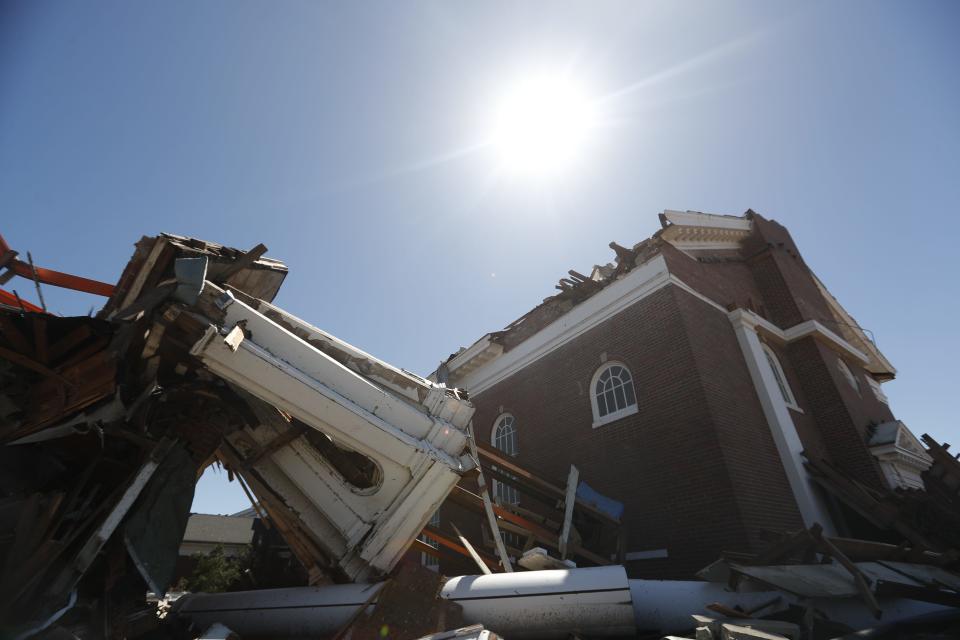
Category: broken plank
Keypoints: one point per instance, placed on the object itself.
(493, 457)
(28, 363)
(73, 339)
(573, 479)
(40, 339)
(473, 501)
(487, 505)
(473, 552)
(244, 261)
(444, 540)
(13, 335)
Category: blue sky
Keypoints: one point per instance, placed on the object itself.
(349, 138)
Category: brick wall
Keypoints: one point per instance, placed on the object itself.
(775, 281)
(696, 466)
(761, 489)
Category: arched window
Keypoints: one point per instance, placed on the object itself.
(612, 394)
(427, 560)
(848, 375)
(504, 438)
(780, 377)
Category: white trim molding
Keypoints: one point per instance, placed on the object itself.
(784, 432)
(901, 456)
(484, 364)
(692, 230)
(781, 377)
(611, 416)
(609, 301)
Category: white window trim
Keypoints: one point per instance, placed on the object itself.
(781, 376)
(849, 375)
(493, 432)
(616, 415)
(812, 507)
(877, 390)
(426, 560)
(493, 443)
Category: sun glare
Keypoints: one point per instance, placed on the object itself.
(541, 125)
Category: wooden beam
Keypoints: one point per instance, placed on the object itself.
(40, 339)
(473, 501)
(858, 578)
(493, 457)
(473, 552)
(244, 261)
(14, 336)
(73, 338)
(573, 479)
(487, 505)
(27, 363)
(445, 541)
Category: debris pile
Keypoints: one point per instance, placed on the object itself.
(106, 423)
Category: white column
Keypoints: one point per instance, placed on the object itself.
(784, 432)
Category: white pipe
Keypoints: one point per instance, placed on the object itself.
(277, 613)
(539, 604)
(594, 601)
(666, 605)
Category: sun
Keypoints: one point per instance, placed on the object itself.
(541, 125)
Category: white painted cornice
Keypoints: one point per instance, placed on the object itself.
(808, 328)
(634, 286)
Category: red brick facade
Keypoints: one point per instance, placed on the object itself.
(696, 466)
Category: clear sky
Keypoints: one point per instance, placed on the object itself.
(353, 139)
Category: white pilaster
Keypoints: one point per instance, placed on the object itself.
(785, 436)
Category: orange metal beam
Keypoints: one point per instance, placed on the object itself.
(51, 277)
(11, 300)
(60, 279)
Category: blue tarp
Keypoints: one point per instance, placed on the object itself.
(599, 501)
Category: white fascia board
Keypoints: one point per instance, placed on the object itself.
(636, 285)
(301, 360)
(469, 353)
(813, 327)
(802, 330)
(705, 245)
(381, 372)
(284, 386)
(710, 220)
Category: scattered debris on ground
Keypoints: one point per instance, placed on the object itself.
(107, 421)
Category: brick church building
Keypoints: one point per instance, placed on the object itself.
(688, 380)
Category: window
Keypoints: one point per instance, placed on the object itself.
(780, 377)
(846, 373)
(612, 394)
(427, 560)
(877, 391)
(504, 438)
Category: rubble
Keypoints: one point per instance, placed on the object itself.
(107, 421)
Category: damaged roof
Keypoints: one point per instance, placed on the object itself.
(701, 236)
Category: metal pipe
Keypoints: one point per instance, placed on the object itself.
(593, 601)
